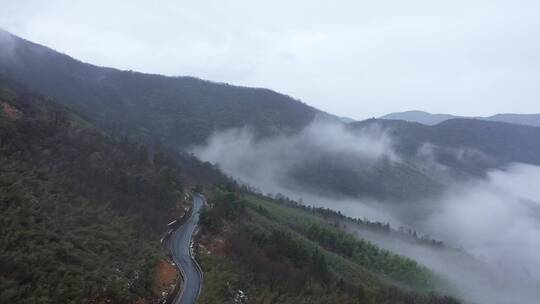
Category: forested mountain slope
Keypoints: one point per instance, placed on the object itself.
(175, 111)
(81, 212)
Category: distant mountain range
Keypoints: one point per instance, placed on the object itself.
(433, 119)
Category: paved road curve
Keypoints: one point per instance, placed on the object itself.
(180, 244)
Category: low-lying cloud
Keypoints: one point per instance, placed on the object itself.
(495, 220)
(267, 163)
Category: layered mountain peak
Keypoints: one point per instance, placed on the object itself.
(430, 119)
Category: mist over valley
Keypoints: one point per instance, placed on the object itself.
(480, 219)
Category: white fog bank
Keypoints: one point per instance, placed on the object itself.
(496, 220)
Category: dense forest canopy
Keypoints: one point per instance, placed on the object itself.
(81, 211)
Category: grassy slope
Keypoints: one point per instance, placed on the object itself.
(366, 275)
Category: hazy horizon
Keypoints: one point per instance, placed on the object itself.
(357, 60)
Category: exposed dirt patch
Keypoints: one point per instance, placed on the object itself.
(165, 278)
(164, 283)
(10, 111)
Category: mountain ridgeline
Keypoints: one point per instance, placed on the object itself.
(179, 112)
(430, 119)
(174, 111)
(70, 207)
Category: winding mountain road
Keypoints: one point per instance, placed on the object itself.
(180, 246)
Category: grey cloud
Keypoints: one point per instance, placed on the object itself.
(496, 220)
(266, 163)
(493, 218)
(353, 58)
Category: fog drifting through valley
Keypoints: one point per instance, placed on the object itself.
(495, 220)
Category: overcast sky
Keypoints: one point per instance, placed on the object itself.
(350, 58)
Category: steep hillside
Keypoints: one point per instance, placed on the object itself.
(81, 213)
(174, 111)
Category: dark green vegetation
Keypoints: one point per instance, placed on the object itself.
(338, 219)
(383, 180)
(174, 111)
(279, 253)
(81, 213)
